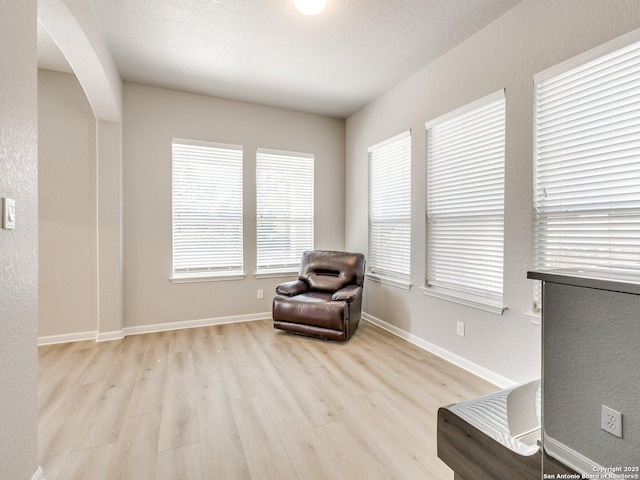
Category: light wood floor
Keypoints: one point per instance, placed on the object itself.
(244, 401)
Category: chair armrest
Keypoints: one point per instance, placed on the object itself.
(347, 294)
(292, 288)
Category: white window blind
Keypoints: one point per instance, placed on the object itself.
(390, 207)
(587, 163)
(465, 204)
(207, 209)
(284, 183)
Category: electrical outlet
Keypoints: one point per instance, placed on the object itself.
(260, 294)
(611, 421)
(460, 329)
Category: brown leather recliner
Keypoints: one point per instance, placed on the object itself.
(326, 300)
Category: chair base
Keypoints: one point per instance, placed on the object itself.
(310, 336)
(310, 330)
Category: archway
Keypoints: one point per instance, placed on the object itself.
(72, 25)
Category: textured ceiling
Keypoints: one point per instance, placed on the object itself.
(265, 51)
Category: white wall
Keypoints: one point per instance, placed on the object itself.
(531, 37)
(67, 237)
(152, 116)
(19, 247)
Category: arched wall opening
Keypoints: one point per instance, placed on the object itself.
(72, 26)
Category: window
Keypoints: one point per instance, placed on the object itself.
(465, 204)
(390, 207)
(284, 183)
(207, 209)
(587, 163)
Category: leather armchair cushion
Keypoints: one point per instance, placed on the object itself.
(312, 308)
(325, 281)
(327, 271)
(347, 294)
(292, 288)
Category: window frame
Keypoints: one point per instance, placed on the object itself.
(289, 268)
(584, 61)
(439, 272)
(382, 273)
(202, 274)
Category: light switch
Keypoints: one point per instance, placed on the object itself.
(9, 213)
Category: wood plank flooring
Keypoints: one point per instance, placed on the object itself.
(244, 401)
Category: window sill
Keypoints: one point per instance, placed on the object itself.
(208, 278)
(464, 300)
(276, 274)
(534, 317)
(394, 282)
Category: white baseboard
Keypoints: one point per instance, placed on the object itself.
(204, 322)
(108, 336)
(38, 475)
(478, 370)
(66, 338)
(573, 459)
(158, 327)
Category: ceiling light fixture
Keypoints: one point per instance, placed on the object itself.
(310, 7)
